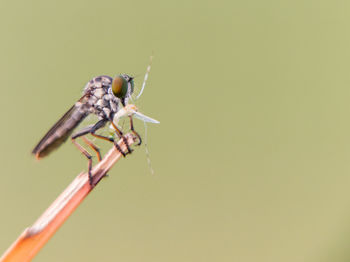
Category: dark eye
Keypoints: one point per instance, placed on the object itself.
(119, 87)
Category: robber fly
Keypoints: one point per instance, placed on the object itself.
(102, 96)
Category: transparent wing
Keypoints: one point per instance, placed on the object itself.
(145, 118)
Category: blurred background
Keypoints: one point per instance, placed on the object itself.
(251, 157)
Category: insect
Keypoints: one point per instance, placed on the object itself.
(102, 96)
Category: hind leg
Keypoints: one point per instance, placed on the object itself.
(87, 155)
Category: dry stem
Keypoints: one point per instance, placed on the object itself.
(34, 238)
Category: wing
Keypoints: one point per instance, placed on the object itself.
(62, 129)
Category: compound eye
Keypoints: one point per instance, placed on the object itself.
(117, 86)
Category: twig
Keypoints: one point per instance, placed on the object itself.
(34, 238)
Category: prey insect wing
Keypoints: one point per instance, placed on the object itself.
(63, 128)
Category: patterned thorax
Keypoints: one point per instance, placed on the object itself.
(100, 97)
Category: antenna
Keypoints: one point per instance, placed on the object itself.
(146, 77)
(148, 155)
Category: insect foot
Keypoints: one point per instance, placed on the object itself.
(119, 149)
(127, 145)
(138, 137)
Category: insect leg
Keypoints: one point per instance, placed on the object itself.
(100, 124)
(133, 130)
(82, 133)
(120, 135)
(88, 156)
(93, 147)
(110, 140)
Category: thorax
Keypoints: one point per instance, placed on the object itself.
(101, 100)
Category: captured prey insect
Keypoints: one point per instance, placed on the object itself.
(103, 96)
(132, 110)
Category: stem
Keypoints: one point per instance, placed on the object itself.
(29, 243)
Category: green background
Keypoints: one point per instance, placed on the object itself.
(252, 154)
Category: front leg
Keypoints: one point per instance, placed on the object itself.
(120, 135)
(134, 132)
